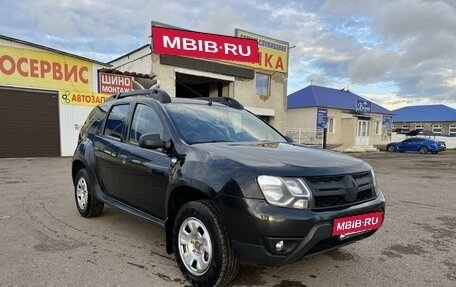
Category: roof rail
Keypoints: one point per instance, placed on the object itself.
(155, 93)
(227, 101)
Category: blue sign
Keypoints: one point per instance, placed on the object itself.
(363, 106)
(387, 120)
(322, 118)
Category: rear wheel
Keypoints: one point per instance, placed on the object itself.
(201, 245)
(423, 150)
(391, 148)
(88, 205)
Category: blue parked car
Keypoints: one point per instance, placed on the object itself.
(422, 145)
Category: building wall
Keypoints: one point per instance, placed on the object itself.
(429, 126)
(349, 131)
(305, 118)
(274, 105)
(344, 126)
(138, 61)
(242, 89)
(334, 138)
(165, 74)
(71, 120)
(72, 95)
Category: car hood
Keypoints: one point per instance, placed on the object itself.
(285, 159)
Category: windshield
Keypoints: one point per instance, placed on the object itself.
(198, 123)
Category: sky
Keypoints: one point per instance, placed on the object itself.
(392, 52)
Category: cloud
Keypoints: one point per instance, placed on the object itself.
(371, 65)
(409, 44)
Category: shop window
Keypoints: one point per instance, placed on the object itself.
(419, 127)
(331, 127)
(437, 129)
(263, 85)
(405, 128)
(452, 130)
(378, 127)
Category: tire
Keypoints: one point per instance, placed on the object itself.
(88, 205)
(199, 236)
(423, 150)
(391, 148)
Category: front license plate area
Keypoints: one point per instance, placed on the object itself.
(350, 226)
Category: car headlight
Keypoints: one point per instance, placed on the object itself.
(374, 180)
(373, 177)
(285, 191)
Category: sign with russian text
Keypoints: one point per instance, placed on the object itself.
(82, 98)
(272, 55)
(322, 118)
(186, 43)
(114, 83)
(358, 223)
(363, 106)
(32, 68)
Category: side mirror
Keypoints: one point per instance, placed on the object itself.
(152, 141)
(289, 139)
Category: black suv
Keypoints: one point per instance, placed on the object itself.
(223, 183)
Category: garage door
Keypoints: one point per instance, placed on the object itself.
(29, 123)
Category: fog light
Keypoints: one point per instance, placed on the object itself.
(279, 246)
(302, 203)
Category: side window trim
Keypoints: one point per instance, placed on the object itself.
(124, 123)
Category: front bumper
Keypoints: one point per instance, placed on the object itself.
(255, 226)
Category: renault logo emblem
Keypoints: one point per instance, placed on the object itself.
(351, 188)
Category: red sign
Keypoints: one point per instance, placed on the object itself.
(357, 223)
(113, 83)
(201, 45)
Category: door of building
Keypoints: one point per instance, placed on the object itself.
(362, 133)
(29, 123)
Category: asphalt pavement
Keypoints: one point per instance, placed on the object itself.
(44, 241)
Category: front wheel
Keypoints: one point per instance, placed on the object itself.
(201, 245)
(423, 150)
(86, 202)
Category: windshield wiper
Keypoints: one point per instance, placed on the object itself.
(210, 141)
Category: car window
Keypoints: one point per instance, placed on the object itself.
(216, 123)
(116, 121)
(145, 121)
(91, 124)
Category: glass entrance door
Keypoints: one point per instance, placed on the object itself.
(362, 133)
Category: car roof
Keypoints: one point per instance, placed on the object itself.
(162, 97)
(173, 101)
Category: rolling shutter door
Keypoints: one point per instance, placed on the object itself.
(29, 123)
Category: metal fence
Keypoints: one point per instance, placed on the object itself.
(310, 137)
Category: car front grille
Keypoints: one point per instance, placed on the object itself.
(340, 190)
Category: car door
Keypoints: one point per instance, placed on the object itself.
(415, 144)
(145, 175)
(107, 147)
(405, 145)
